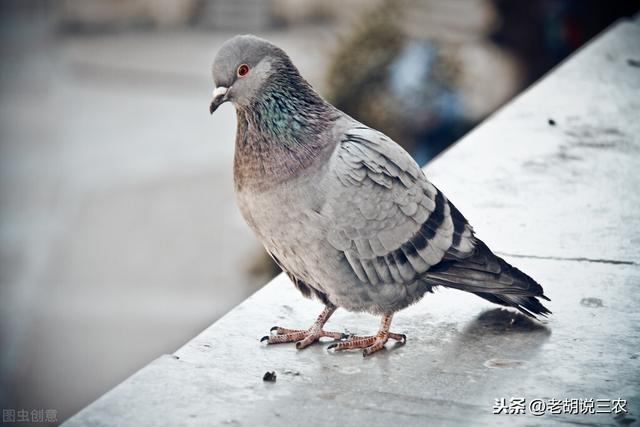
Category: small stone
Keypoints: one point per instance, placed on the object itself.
(633, 62)
(551, 122)
(269, 376)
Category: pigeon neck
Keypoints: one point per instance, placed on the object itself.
(281, 133)
(288, 111)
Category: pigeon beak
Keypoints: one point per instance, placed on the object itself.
(219, 97)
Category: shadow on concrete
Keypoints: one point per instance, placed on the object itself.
(497, 339)
(500, 321)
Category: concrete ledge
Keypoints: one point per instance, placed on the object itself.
(559, 201)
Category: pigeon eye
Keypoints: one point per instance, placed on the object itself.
(243, 70)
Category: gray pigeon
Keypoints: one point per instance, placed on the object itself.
(343, 209)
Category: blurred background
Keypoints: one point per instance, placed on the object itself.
(119, 236)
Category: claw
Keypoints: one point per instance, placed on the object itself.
(366, 352)
(298, 344)
(332, 346)
(264, 338)
(275, 328)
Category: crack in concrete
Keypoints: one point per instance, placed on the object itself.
(557, 258)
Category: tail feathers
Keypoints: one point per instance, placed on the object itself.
(492, 278)
(528, 305)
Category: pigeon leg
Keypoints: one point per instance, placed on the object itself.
(373, 343)
(306, 337)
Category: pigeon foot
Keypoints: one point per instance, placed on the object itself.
(304, 337)
(372, 343)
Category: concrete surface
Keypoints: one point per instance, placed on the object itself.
(559, 201)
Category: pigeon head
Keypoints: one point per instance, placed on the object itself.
(281, 120)
(242, 67)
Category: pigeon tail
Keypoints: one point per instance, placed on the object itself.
(492, 278)
(529, 305)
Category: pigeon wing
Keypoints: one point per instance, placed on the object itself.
(390, 222)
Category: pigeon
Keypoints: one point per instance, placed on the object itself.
(346, 213)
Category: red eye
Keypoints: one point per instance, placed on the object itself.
(243, 70)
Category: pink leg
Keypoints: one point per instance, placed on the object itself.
(303, 337)
(373, 343)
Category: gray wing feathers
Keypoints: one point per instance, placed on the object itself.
(396, 224)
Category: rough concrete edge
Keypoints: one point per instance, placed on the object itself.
(116, 388)
(161, 358)
(279, 276)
